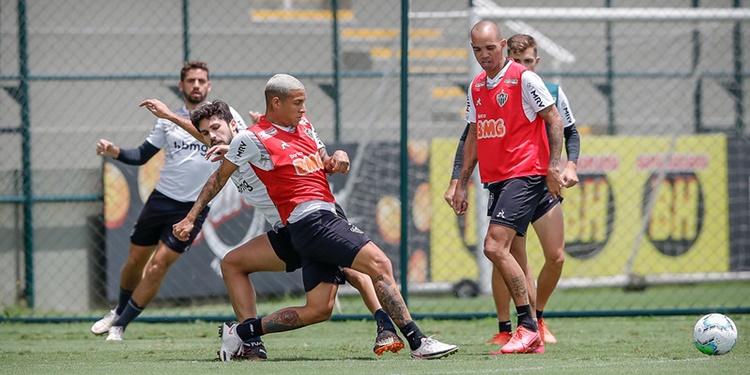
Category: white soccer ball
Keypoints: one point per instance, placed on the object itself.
(715, 334)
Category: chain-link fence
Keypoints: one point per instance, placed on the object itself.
(658, 222)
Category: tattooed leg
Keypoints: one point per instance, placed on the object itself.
(391, 300)
(373, 262)
(283, 320)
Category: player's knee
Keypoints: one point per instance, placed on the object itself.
(382, 264)
(494, 252)
(320, 313)
(373, 261)
(555, 260)
(156, 269)
(227, 265)
(494, 246)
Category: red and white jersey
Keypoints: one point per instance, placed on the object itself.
(247, 182)
(297, 174)
(511, 137)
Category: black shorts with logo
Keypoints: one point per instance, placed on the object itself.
(155, 222)
(322, 236)
(512, 202)
(545, 205)
(313, 272)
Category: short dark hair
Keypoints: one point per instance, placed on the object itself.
(206, 110)
(194, 64)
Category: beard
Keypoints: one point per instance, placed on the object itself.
(195, 98)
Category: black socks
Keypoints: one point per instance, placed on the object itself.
(504, 326)
(250, 328)
(383, 321)
(412, 334)
(525, 319)
(123, 300)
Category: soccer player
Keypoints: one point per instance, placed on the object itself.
(153, 247)
(284, 152)
(507, 108)
(270, 251)
(548, 219)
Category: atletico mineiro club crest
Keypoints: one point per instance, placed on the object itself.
(502, 97)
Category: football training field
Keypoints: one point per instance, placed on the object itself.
(640, 345)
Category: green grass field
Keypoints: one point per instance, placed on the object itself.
(639, 345)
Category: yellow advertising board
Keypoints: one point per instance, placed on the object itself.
(644, 205)
(453, 240)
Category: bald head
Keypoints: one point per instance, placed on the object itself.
(486, 29)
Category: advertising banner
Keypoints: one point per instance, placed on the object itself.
(644, 205)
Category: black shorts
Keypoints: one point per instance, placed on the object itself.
(512, 202)
(282, 246)
(545, 205)
(322, 236)
(155, 222)
(313, 272)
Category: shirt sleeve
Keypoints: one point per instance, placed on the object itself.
(563, 106)
(138, 156)
(243, 149)
(459, 158)
(158, 135)
(572, 143)
(536, 96)
(318, 142)
(471, 110)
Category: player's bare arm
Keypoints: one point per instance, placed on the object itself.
(212, 187)
(160, 110)
(555, 138)
(460, 203)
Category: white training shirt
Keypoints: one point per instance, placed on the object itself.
(563, 106)
(246, 150)
(185, 169)
(530, 83)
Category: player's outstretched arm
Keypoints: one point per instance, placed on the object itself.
(160, 110)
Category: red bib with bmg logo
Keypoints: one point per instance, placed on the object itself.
(508, 144)
(298, 173)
